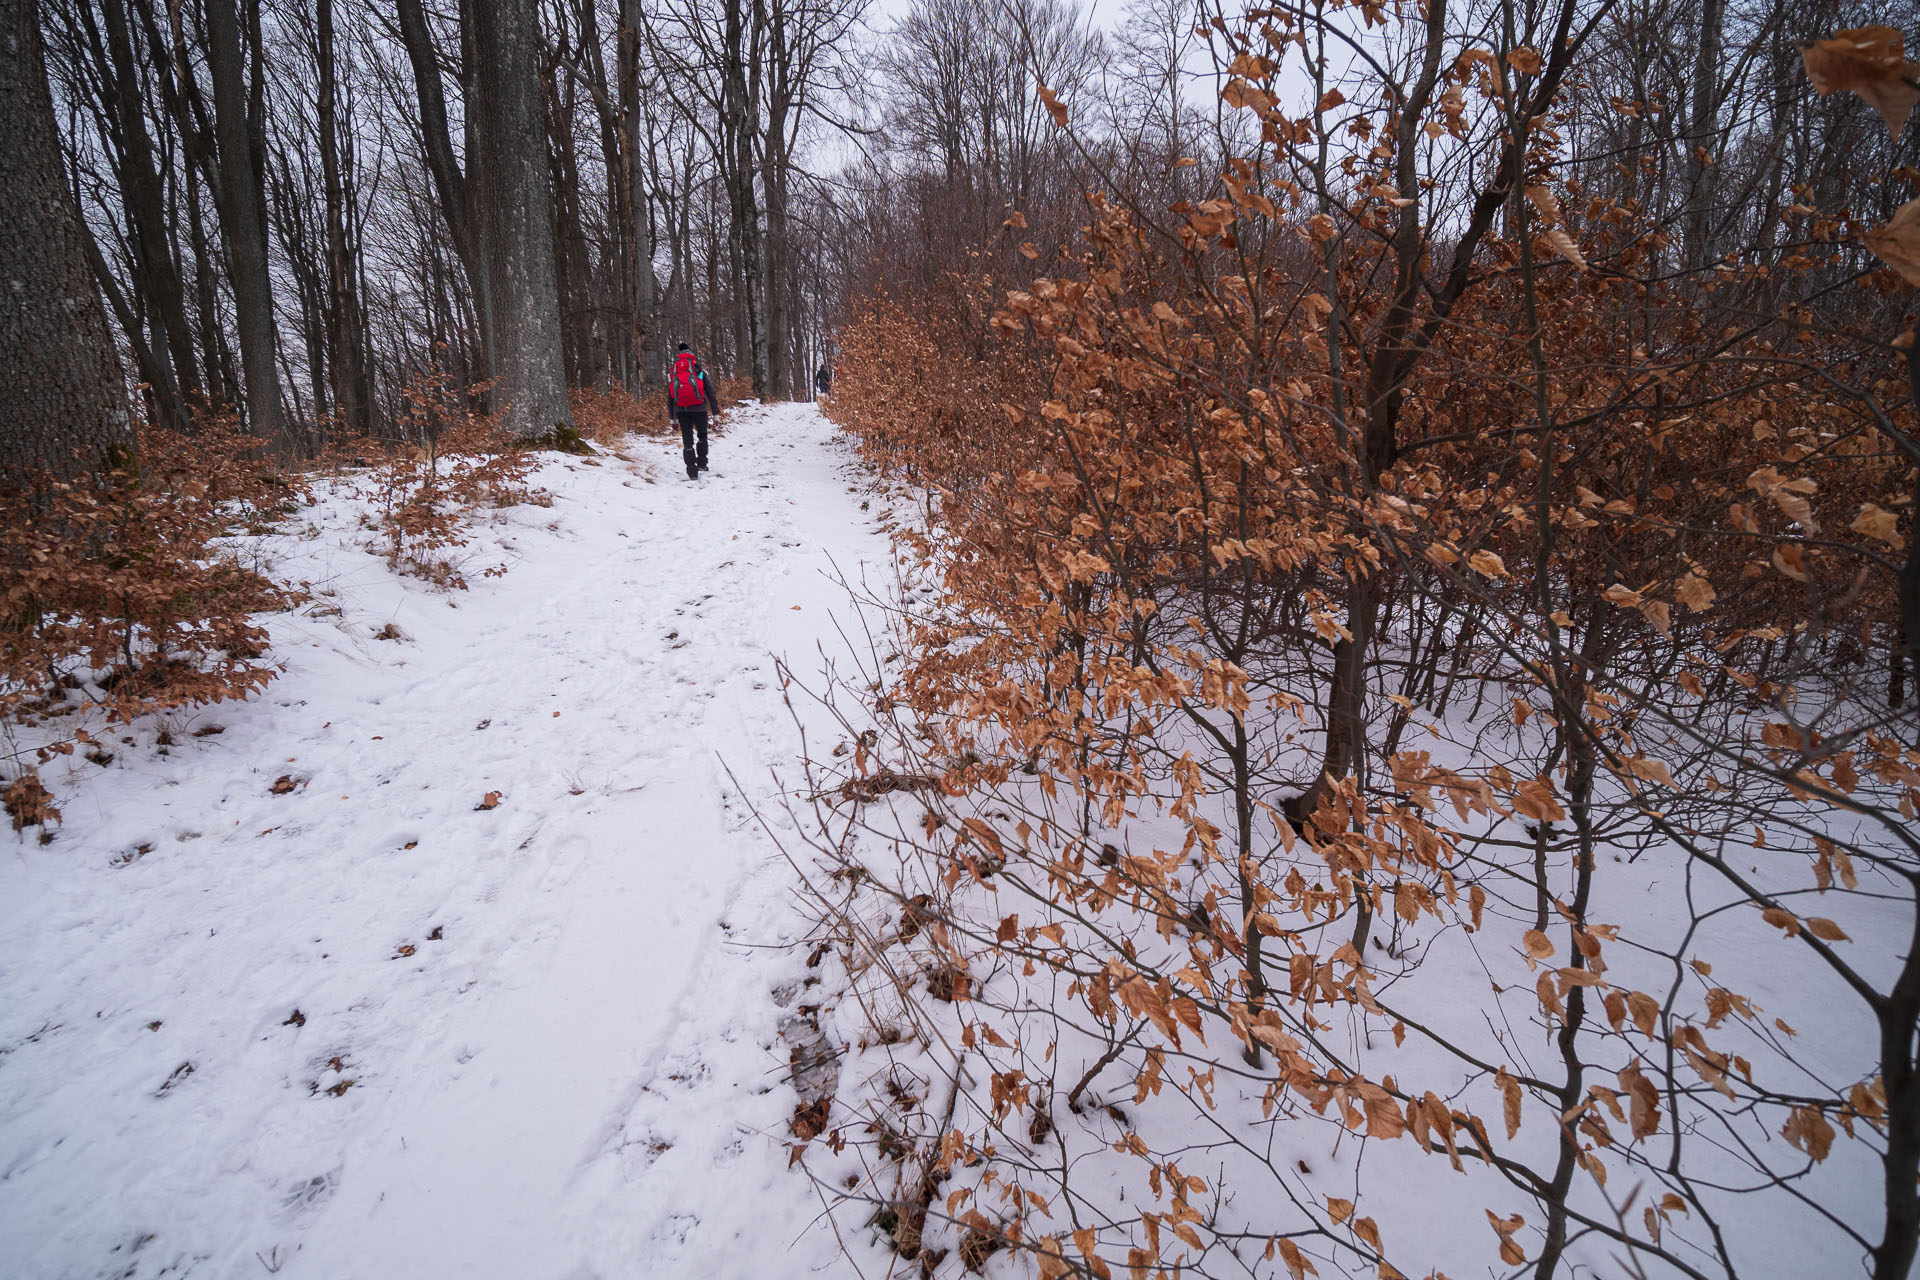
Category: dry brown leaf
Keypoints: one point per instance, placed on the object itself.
(1298, 1266)
(29, 803)
(1509, 1101)
(1510, 1252)
(1876, 522)
(1056, 108)
(1487, 564)
(1808, 1130)
(1644, 1010)
(1870, 61)
(1651, 770)
(1562, 243)
(1621, 594)
(1695, 592)
(1898, 242)
(1543, 201)
(1823, 928)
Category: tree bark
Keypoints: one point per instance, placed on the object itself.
(347, 357)
(63, 409)
(779, 96)
(1702, 172)
(244, 229)
(509, 116)
(158, 270)
(643, 290)
(738, 125)
(450, 185)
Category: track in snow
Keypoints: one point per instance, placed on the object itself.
(574, 1072)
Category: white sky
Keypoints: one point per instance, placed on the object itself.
(882, 14)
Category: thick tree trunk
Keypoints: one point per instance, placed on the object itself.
(63, 408)
(244, 228)
(510, 120)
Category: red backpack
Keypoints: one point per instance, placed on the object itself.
(684, 387)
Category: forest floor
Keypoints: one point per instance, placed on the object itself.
(285, 995)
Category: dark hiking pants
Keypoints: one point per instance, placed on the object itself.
(693, 427)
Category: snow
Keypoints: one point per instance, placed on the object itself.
(536, 1040)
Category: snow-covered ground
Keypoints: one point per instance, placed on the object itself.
(369, 1027)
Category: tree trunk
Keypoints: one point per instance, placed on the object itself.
(1702, 171)
(572, 262)
(244, 228)
(347, 362)
(158, 270)
(738, 125)
(643, 292)
(450, 185)
(215, 357)
(779, 96)
(510, 121)
(63, 408)
(778, 339)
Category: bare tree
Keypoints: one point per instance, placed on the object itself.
(243, 223)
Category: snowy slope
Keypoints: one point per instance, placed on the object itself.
(532, 1041)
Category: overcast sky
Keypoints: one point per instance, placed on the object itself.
(882, 14)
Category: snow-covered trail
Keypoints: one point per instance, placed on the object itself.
(534, 1040)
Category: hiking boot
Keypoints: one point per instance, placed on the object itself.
(693, 471)
(703, 465)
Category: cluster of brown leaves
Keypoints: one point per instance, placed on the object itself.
(1873, 63)
(1144, 497)
(451, 465)
(118, 595)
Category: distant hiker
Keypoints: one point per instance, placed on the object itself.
(690, 398)
(823, 380)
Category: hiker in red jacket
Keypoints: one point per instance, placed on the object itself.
(690, 398)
